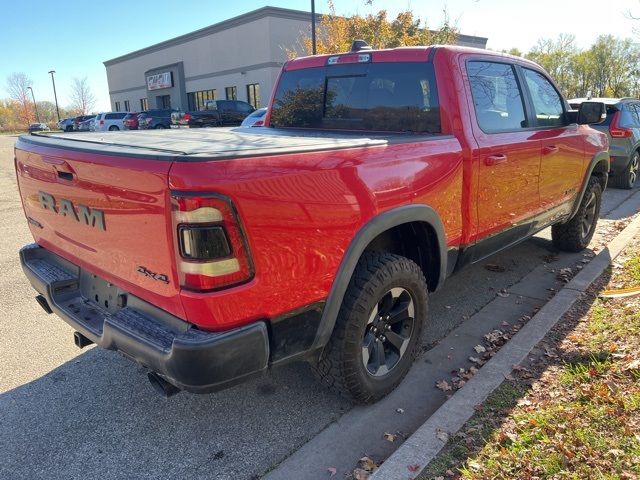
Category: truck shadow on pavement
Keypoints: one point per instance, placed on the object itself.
(98, 416)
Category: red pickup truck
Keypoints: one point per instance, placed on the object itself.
(209, 256)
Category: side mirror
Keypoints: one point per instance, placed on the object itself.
(591, 113)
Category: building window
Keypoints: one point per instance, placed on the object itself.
(117, 106)
(253, 94)
(126, 106)
(231, 93)
(196, 100)
(143, 104)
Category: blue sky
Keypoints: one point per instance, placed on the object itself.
(74, 37)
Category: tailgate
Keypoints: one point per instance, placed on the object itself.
(109, 214)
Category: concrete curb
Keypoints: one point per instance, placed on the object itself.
(422, 447)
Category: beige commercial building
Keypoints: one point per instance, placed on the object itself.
(237, 59)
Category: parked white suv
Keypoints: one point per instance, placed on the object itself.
(108, 121)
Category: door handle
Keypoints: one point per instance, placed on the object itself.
(495, 159)
(550, 150)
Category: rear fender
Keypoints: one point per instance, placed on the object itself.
(376, 226)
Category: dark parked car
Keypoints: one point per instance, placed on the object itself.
(216, 113)
(157, 118)
(623, 128)
(79, 119)
(38, 127)
(130, 122)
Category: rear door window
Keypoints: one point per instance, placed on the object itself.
(547, 102)
(397, 97)
(497, 97)
(630, 115)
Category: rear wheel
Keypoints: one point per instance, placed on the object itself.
(378, 329)
(160, 127)
(576, 234)
(113, 128)
(628, 178)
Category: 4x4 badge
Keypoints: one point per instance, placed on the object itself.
(161, 277)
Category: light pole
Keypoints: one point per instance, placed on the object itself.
(34, 103)
(55, 96)
(313, 26)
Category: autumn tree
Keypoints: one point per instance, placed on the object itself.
(336, 33)
(609, 68)
(555, 56)
(82, 98)
(18, 89)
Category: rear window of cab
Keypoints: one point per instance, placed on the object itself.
(385, 97)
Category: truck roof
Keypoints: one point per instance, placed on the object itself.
(400, 54)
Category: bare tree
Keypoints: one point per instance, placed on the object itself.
(18, 88)
(82, 99)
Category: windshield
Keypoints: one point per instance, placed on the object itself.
(398, 97)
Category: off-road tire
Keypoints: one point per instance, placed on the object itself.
(340, 366)
(571, 236)
(628, 178)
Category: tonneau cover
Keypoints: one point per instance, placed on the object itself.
(207, 143)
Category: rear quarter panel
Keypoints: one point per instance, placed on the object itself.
(301, 211)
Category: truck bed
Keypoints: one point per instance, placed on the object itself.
(210, 143)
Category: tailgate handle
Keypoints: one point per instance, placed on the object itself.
(68, 176)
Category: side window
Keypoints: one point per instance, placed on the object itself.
(496, 96)
(547, 102)
(243, 107)
(630, 115)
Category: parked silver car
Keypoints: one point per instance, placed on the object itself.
(66, 124)
(255, 119)
(623, 128)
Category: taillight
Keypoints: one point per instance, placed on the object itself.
(187, 117)
(616, 131)
(259, 123)
(101, 122)
(212, 250)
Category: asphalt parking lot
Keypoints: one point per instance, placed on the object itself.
(69, 413)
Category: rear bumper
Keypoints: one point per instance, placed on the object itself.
(189, 358)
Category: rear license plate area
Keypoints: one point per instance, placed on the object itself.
(100, 293)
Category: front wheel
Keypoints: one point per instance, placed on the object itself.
(113, 128)
(378, 329)
(576, 234)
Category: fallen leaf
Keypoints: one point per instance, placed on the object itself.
(503, 294)
(443, 385)
(400, 410)
(442, 436)
(360, 474)
(413, 468)
(492, 267)
(479, 349)
(367, 464)
(332, 471)
(474, 359)
(449, 473)
(389, 437)
(477, 408)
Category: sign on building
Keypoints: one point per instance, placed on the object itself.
(160, 80)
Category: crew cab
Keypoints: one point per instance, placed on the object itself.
(209, 256)
(216, 113)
